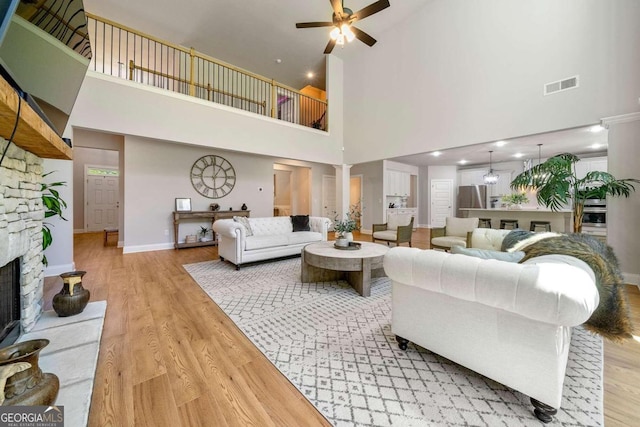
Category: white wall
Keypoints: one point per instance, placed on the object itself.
(60, 253)
(623, 215)
(157, 172)
(459, 72)
(373, 196)
(118, 106)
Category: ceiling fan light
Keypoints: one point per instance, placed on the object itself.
(346, 30)
(334, 33)
(340, 39)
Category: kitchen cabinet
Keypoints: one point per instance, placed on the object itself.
(585, 166)
(472, 177)
(503, 186)
(398, 183)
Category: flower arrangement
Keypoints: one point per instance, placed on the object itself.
(350, 223)
(515, 198)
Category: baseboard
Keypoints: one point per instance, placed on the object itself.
(365, 231)
(633, 279)
(78, 231)
(56, 270)
(146, 248)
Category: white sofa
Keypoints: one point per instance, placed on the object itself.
(273, 237)
(507, 321)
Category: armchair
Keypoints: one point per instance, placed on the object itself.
(398, 229)
(453, 233)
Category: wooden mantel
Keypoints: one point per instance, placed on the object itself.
(33, 134)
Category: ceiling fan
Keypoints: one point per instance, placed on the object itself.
(342, 19)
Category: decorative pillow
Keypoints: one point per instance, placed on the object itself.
(300, 223)
(488, 254)
(514, 237)
(245, 222)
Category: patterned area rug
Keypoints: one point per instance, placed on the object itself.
(337, 348)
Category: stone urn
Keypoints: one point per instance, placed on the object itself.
(28, 387)
(73, 298)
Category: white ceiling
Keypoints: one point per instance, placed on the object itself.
(253, 34)
(579, 141)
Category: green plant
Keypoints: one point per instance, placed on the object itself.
(515, 198)
(351, 221)
(557, 185)
(53, 205)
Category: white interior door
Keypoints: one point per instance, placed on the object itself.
(101, 198)
(441, 201)
(328, 196)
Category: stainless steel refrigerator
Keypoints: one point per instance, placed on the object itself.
(471, 196)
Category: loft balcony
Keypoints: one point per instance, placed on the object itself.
(126, 53)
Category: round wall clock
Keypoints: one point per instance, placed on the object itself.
(213, 176)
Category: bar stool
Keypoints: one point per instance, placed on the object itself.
(535, 224)
(108, 232)
(511, 223)
(484, 222)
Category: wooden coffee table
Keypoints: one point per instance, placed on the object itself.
(322, 262)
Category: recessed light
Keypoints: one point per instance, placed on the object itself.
(436, 153)
(309, 75)
(518, 155)
(463, 162)
(501, 143)
(278, 61)
(596, 129)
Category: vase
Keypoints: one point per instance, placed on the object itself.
(342, 242)
(72, 298)
(30, 387)
(243, 207)
(515, 207)
(349, 236)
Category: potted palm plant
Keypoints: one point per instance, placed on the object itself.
(557, 185)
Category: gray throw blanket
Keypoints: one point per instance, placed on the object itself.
(611, 317)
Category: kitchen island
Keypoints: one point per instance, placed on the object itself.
(560, 220)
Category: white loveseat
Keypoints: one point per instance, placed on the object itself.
(507, 321)
(273, 237)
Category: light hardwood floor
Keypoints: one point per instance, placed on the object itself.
(170, 357)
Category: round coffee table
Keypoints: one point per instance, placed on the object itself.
(322, 262)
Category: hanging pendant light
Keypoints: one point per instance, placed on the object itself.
(490, 178)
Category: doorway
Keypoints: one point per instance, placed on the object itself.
(291, 190)
(441, 201)
(101, 195)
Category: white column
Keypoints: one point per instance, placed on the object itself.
(622, 213)
(343, 177)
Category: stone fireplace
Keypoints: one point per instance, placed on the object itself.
(21, 217)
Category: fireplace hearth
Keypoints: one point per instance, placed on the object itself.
(9, 303)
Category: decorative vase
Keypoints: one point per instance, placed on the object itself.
(73, 298)
(349, 236)
(342, 242)
(515, 207)
(29, 387)
(243, 207)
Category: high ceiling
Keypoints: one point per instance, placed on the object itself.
(587, 141)
(253, 34)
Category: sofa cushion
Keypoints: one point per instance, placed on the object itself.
(300, 223)
(488, 254)
(302, 237)
(449, 241)
(268, 226)
(245, 223)
(386, 235)
(460, 226)
(396, 220)
(488, 238)
(269, 241)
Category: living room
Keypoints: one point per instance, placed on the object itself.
(481, 78)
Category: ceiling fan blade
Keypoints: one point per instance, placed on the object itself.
(370, 10)
(363, 37)
(337, 7)
(313, 24)
(330, 46)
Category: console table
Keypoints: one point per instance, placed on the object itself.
(178, 217)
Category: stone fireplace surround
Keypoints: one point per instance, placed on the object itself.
(21, 217)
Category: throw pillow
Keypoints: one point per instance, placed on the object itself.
(300, 222)
(245, 222)
(488, 254)
(514, 237)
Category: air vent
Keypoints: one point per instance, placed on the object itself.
(561, 85)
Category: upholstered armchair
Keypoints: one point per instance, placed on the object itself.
(453, 233)
(398, 229)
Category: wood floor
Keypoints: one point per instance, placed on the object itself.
(170, 357)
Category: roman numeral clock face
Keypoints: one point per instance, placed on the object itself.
(213, 176)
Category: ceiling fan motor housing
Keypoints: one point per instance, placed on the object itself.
(345, 17)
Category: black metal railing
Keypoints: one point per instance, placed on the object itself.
(123, 52)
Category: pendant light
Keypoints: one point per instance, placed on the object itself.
(490, 178)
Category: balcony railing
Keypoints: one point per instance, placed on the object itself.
(123, 52)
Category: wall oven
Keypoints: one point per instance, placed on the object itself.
(595, 213)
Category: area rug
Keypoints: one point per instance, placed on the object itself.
(337, 348)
